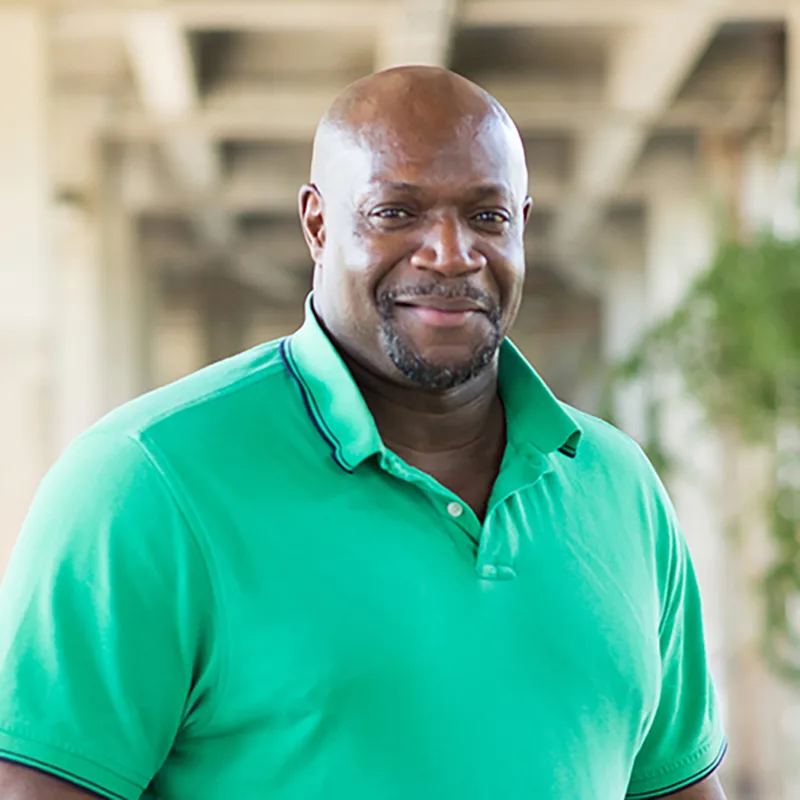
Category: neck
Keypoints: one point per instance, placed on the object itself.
(429, 423)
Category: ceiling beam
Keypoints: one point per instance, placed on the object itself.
(161, 61)
(89, 20)
(608, 13)
(92, 20)
(292, 115)
(648, 67)
(756, 95)
(417, 32)
(267, 189)
(507, 13)
(281, 15)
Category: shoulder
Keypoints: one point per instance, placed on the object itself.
(119, 465)
(214, 411)
(603, 444)
(612, 467)
(231, 386)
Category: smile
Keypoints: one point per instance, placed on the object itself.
(440, 315)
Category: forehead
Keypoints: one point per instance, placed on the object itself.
(464, 155)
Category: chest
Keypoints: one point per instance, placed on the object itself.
(470, 475)
(366, 651)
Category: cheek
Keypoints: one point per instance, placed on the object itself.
(509, 274)
(347, 248)
(512, 281)
(349, 279)
(517, 278)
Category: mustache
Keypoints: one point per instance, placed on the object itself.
(451, 290)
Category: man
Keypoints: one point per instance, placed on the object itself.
(376, 559)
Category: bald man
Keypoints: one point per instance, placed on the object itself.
(376, 559)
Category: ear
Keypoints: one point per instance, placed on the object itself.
(312, 219)
(526, 210)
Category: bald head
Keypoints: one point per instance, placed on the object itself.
(407, 107)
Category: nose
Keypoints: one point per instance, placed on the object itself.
(448, 248)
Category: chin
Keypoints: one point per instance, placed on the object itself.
(436, 370)
(439, 366)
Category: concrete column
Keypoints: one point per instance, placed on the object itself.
(680, 244)
(763, 744)
(79, 369)
(224, 328)
(718, 480)
(128, 295)
(225, 316)
(769, 728)
(179, 344)
(268, 324)
(759, 199)
(624, 322)
(26, 279)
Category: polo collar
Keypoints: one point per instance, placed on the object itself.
(534, 415)
(337, 408)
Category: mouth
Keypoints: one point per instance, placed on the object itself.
(455, 304)
(440, 312)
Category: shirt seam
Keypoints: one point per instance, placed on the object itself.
(193, 525)
(260, 373)
(20, 733)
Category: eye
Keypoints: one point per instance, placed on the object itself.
(392, 213)
(492, 217)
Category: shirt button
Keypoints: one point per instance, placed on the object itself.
(500, 572)
(455, 509)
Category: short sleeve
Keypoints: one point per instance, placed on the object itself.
(106, 620)
(686, 741)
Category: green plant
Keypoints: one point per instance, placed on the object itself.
(736, 340)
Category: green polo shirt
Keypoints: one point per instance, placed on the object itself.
(230, 588)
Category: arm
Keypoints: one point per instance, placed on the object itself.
(709, 789)
(107, 628)
(685, 742)
(24, 783)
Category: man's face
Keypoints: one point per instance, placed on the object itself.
(420, 262)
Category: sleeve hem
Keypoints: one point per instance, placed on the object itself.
(703, 768)
(70, 767)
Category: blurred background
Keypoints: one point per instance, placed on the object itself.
(150, 156)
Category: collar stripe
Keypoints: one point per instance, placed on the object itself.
(310, 405)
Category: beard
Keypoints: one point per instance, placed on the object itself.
(411, 363)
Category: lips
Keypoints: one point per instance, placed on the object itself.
(448, 304)
(439, 305)
(440, 312)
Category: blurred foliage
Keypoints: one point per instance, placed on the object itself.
(659, 456)
(782, 588)
(736, 340)
(736, 335)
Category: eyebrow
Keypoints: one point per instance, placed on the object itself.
(399, 186)
(490, 190)
(479, 192)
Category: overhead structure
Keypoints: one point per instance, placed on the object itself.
(163, 69)
(417, 32)
(227, 93)
(647, 68)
